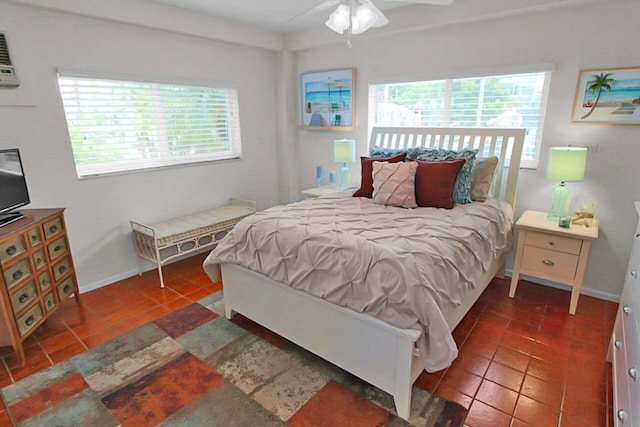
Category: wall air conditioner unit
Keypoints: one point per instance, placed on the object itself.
(7, 72)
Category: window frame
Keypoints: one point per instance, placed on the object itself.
(124, 166)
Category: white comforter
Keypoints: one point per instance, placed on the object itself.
(403, 266)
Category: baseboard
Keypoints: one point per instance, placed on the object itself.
(590, 292)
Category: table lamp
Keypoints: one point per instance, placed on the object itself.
(565, 164)
(344, 151)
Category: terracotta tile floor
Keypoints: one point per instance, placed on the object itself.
(523, 361)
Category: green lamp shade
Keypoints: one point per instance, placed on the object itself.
(565, 164)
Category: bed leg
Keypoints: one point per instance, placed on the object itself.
(403, 378)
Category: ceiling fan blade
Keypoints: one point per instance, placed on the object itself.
(433, 2)
(314, 10)
(381, 20)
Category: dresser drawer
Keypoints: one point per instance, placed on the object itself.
(57, 248)
(49, 302)
(549, 262)
(65, 288)
(621, 408)
(29, 319)
(34, 236)
(23, 296)
(17, 273)
(38, 259)
(556, 243)
(44, 280)
(14, 247)
(61, 268)
(52, 227)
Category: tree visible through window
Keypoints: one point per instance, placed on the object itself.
(117, 125)
(497, 101)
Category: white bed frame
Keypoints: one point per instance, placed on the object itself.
(383, 355)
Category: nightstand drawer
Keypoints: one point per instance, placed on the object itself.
(553, 263)
(556, 243)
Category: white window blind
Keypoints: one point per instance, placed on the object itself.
(517, 100)
(119, 125)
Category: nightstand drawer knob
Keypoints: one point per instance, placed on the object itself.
(632, 373)
(634, 274)
(551, 243)
(621, 415)
(618, 344)
(548, 262)
(626, 309)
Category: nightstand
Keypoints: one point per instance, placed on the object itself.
(319, 191)
(549, 252)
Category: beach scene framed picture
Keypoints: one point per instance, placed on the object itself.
(328, 99)
(608, 96)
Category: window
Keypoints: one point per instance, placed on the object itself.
(516, 100)
(117, 125)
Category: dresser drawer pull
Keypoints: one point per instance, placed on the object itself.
(38, 261)
(621, 415)
(634, 274)
(23, 297)
(66, 288)
(30, 320)
(11, 250)
(618, 344)
(548, 262)
(626, 309)
(62, 269)
(17, 274)
(632, 373)
(57, 248)
(53, 229)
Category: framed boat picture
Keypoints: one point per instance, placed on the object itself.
(608, 96)
(328, 99)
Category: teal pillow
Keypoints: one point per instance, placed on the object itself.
(462, 188)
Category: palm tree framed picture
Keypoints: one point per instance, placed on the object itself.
(328, 99)
(608, 96)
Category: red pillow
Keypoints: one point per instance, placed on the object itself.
(435, 181)
(366, 182)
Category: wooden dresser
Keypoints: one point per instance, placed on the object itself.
(625, 343)
(36, 274)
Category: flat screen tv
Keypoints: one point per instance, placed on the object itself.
(13, 186)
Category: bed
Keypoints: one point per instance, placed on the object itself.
(404, 327)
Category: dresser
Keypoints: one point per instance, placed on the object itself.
(547, 251)
(624, 351)
(36, 274)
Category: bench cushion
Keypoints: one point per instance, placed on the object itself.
(193, 225)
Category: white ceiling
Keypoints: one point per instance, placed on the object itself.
(275, 15)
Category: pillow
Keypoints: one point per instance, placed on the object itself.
(393, 184)
(483, 175)
(462, 189)
(435, 181)
(366, 183)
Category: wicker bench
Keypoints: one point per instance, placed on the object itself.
(163, 241)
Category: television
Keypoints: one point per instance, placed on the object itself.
(13, 186)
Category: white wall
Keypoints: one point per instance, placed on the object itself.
(589, 35)
(99, 209)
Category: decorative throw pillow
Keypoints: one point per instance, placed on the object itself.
(483, 175)
(435, 181)
(366, 183)
(462, 189)
(393, 184)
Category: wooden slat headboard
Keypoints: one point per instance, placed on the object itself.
(505, 143)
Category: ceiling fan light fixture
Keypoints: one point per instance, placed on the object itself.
(339, 19)
(363, 19)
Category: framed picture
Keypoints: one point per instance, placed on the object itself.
(328, 99)
(608, 96)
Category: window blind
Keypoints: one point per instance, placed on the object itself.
(517, 100)
(120, 125)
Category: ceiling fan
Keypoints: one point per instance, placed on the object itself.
(357, 16)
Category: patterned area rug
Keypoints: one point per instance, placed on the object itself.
(195, 368)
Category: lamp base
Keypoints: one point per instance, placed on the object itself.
(561, 202)
(344, 177)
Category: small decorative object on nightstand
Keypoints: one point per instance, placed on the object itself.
(547, 251)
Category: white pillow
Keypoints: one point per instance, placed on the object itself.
(394, 184)
(483, 174)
